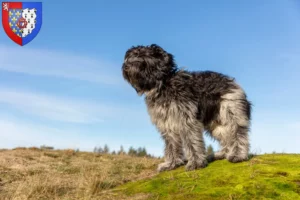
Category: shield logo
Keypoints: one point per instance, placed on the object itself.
(22, 21)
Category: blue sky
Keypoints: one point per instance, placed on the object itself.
(65, 88)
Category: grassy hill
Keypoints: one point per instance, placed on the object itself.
(263, 177)
(66, 174)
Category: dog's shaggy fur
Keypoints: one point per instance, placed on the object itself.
(184, 104)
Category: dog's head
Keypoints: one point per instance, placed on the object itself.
(147, 67)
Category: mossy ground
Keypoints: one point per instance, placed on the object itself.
(273, 176)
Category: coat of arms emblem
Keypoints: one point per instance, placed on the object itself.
(22, 21)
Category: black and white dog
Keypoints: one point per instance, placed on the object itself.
(184, 104)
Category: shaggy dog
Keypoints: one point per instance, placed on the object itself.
(182, 105)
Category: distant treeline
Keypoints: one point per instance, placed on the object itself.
(139, 152)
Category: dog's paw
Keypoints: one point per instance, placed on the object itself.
(166, 166)
(219, 155)
(193, 165)
(237, 158)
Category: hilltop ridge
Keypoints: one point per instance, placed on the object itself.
(67, 174)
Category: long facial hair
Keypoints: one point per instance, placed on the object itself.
(147, 67)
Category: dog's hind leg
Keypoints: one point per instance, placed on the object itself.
(234, 126)
(233, 141)
(238, 146)
(219, 133)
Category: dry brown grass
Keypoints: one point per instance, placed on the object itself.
(31, 173)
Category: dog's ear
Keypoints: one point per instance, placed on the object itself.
(157, 50)
(167, 59)
(155, 46)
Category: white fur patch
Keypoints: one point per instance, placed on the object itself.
(232, 108)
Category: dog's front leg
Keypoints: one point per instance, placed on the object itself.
(173, 152)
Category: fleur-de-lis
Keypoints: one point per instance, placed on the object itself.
(14, 19)
(18, 13)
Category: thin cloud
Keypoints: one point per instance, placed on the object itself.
(16, 133)
(57, 108)
(41, 62)
(64, 109)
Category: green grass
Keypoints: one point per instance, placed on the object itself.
(274, 176)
